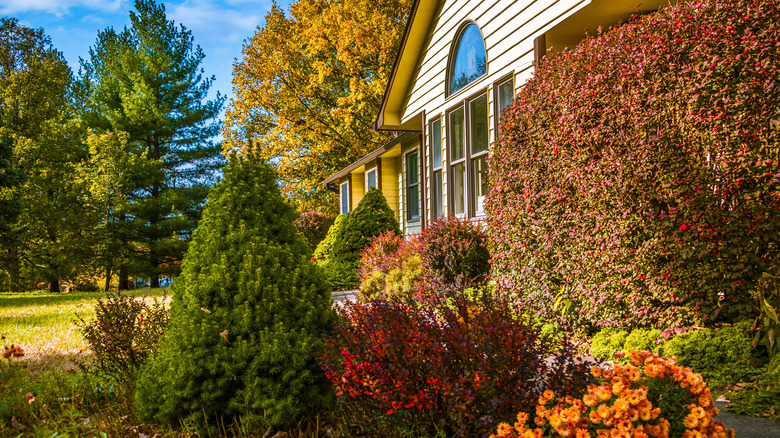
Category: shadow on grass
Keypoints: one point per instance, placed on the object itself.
(53, 299)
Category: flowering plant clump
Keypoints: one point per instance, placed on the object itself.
(626, 404)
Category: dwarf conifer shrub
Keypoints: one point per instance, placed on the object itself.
(454, 255)
(314, 226)
(247, 315)
(325, 246)
(372, 217)
(638, 174)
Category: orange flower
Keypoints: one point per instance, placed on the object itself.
(589, 400)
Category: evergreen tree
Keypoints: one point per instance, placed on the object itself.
(372, 217)
(247, 314)
(146, 81)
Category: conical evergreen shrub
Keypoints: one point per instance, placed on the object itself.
(246, 317)
(372, 217)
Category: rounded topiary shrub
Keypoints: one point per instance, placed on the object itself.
(372, 217)
(246, 318)
(639, 172)
(454, 255)
(325, 246)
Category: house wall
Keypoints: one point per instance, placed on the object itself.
(358, 189)
(509, 29)
(389, 174)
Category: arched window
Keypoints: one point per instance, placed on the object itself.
(468, 60)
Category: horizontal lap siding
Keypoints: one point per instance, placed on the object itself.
(390, 176)
(509, 28)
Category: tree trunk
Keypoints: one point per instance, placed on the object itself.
(123, 278)
(108, 279)
(54, 284)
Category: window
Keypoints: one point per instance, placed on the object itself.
(370, 179)
(437, 188)
(505, 94)
(344, 197)
(412, 187)
(468, 137)
(468, 61)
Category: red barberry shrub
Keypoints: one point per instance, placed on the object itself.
(389, 268)
(459, 366)
(454, 255)
(637, 175)
(124, 333)
(314, 226)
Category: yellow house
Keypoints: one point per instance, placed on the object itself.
(461, 62)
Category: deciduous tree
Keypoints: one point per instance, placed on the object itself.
(309, 87)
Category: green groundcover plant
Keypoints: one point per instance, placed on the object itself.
(637, 176)
(246, 317)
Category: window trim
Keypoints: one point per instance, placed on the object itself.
(496, 111)
(341, 196)
(374, 169)
(433, 169)
(469, 210)
(410, 217)
(454, 46)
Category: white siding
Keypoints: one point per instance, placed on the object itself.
(509, 29)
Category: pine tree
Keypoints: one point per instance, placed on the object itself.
(247, 314)
(147, 81)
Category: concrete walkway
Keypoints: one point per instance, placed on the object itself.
(747, 427)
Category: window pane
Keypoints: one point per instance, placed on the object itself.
(411, 169)
(457, 135)
(480, 183)
(344, 198)
(436, 143)
(470, 60)
(458, 188)
(414, 203)
(506, 94)
(370, 179)
(479, 124)
(438, 197)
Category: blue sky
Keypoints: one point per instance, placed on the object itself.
(219, 26)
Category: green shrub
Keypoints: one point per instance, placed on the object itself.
(372, 217)
(123, 335)
(640, 171)
(454, 255)
(314, 226)
(247, 315)
(643, 340)
(606, 342)
(709, 350)
(325, 247)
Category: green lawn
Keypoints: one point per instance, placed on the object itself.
(43, 323)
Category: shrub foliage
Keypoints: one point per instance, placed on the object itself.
(247, 315)
(123, 335)
(637, 174)
(454, 255)
(457, 366)
(314, 226)
(389, 269)
(340, 256)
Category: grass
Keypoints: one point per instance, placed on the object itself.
(47, 393)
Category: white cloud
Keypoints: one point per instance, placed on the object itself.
(211, 22)
(59, 7)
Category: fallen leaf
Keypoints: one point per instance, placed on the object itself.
(224, 335)
(205, 310)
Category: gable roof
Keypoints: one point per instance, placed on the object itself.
(418, 25)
